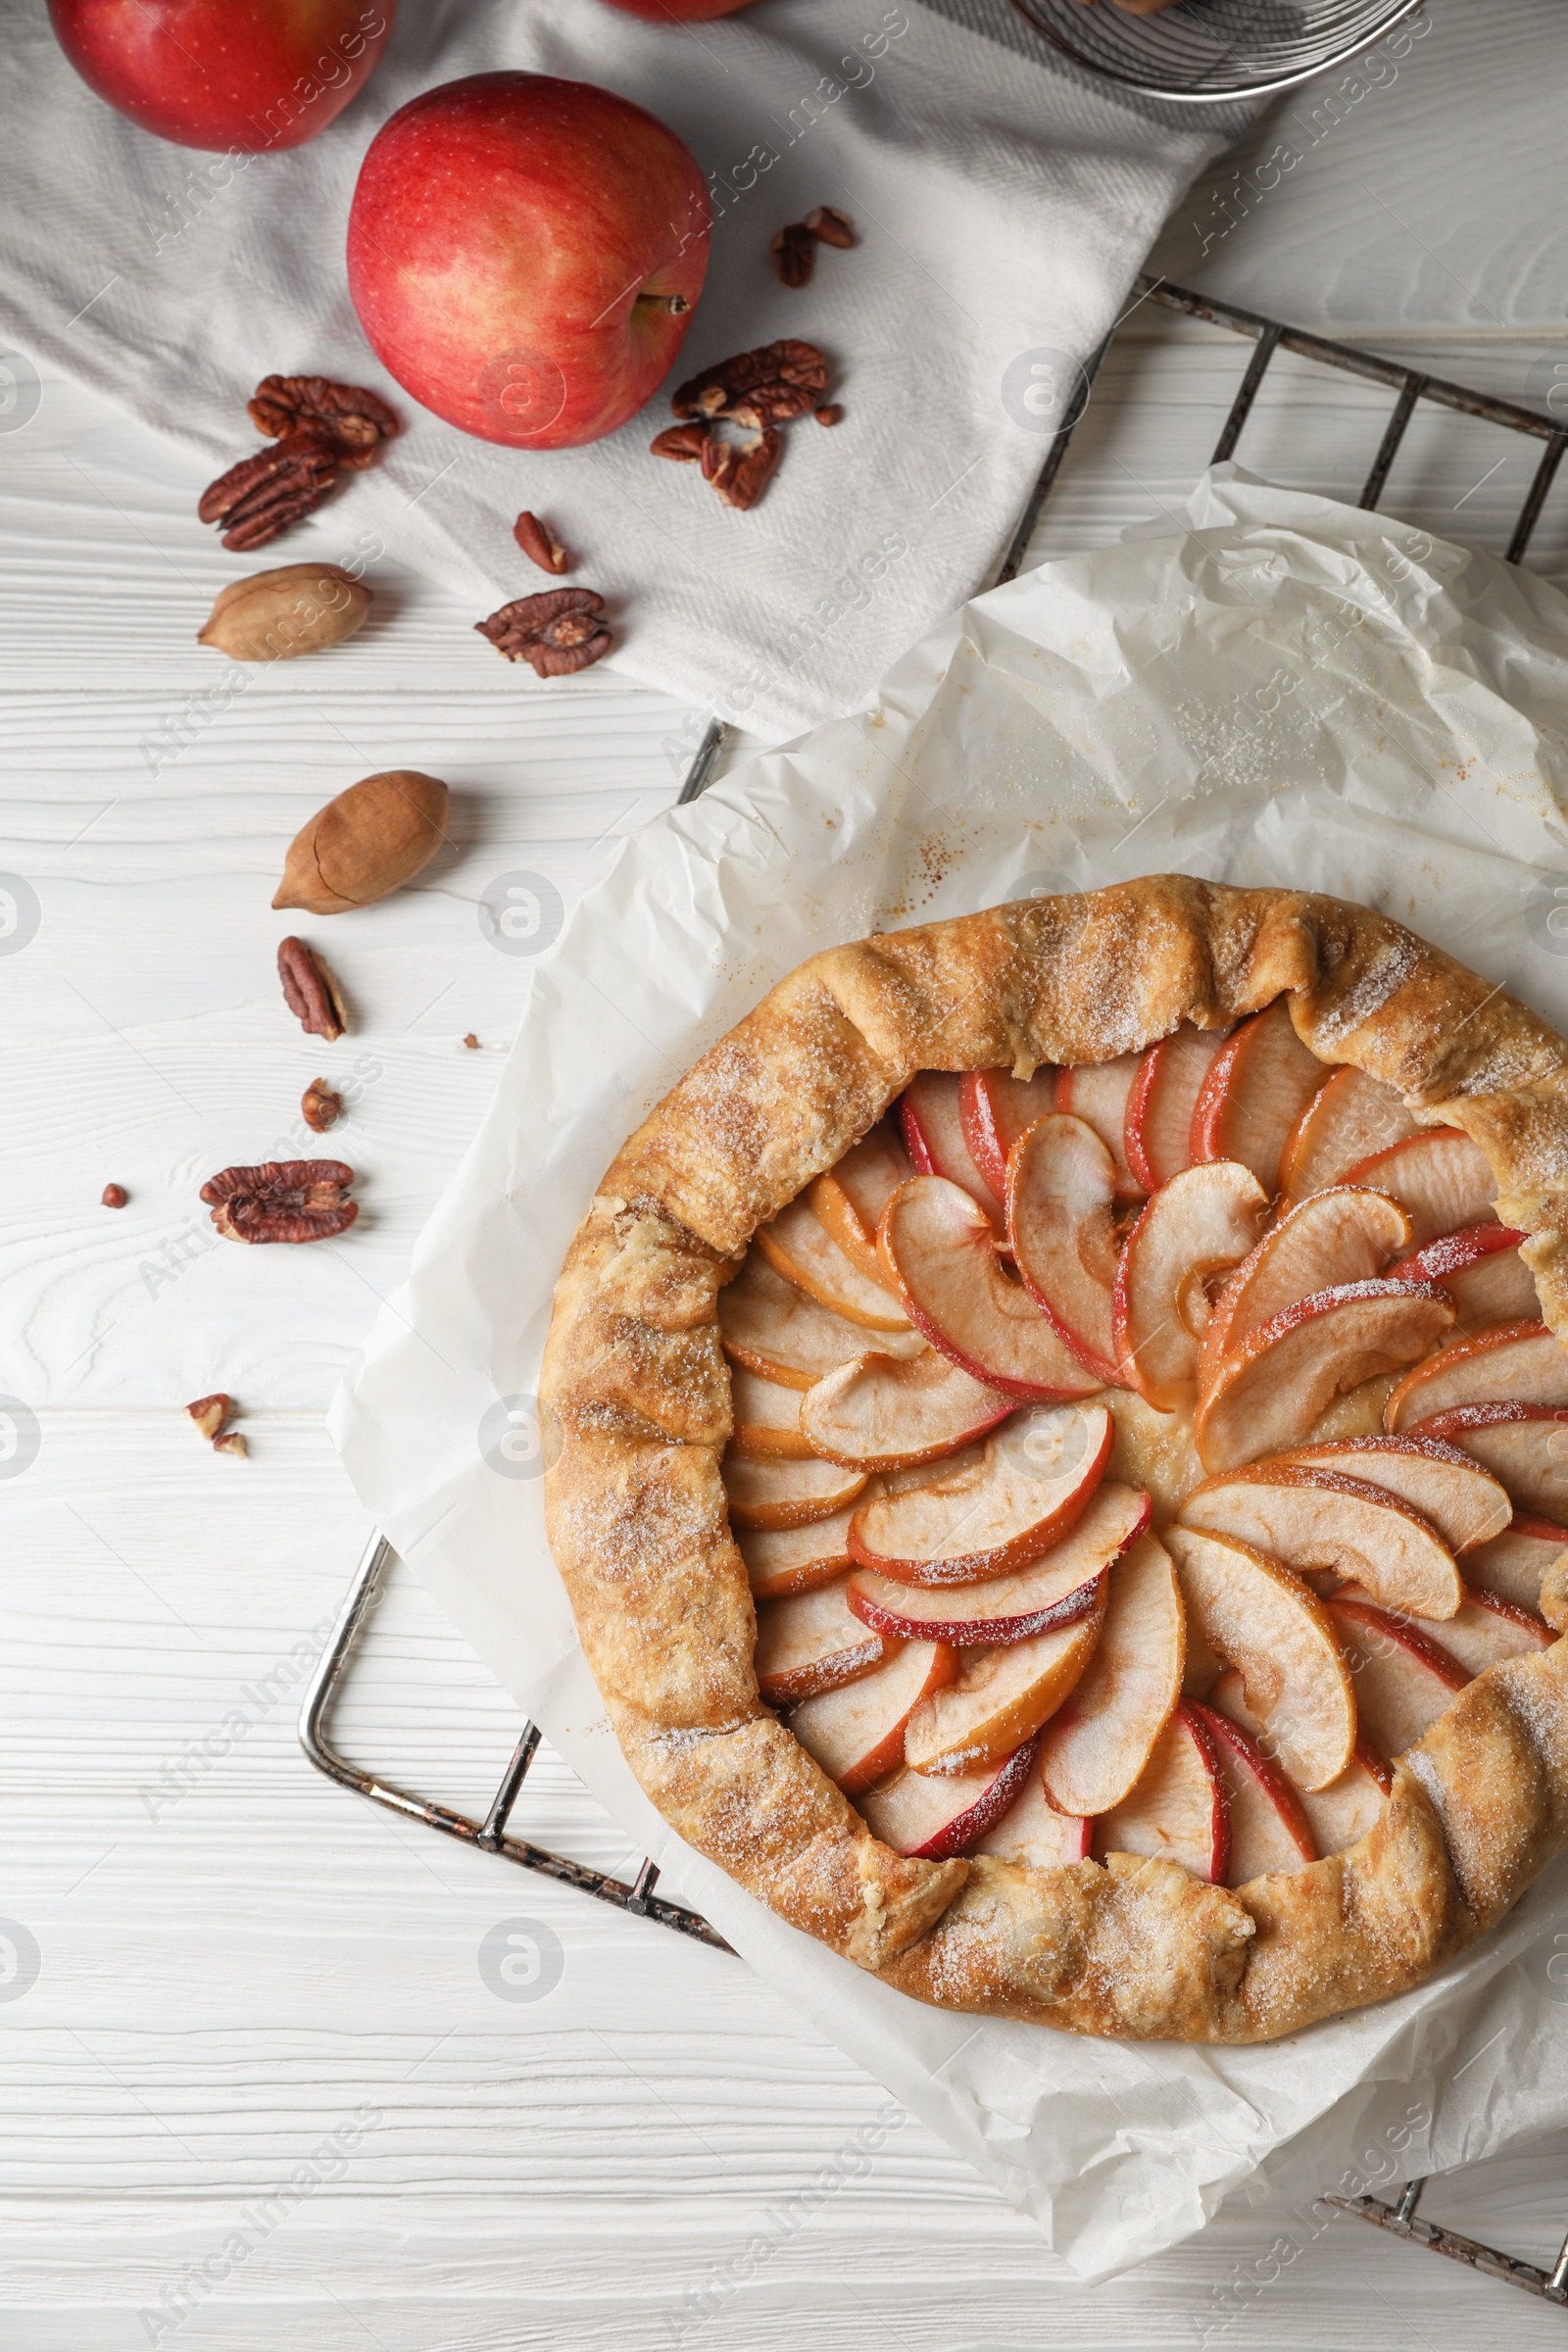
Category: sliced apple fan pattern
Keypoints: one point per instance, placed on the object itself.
(1139, 1459)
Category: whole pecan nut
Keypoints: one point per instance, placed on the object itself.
(309, 992)
(831, 227)
(740, 473)
(793, 252)
(262, 495)
(684, 443)
(763, 387)
(353, 420)
(283, 1200)
(539, 544)
(557, 634)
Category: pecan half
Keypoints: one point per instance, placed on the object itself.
(262, 495)
(684, 443)
(793, 253)
(321, 1106)
(740, 473)
(831, 227)
(309, 992)
(114, 1196)
(557, 634)
(211, 1413)
(353, 420)
(283, 1200)
(760, 388)
(539, 544)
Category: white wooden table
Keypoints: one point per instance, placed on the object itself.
(237, 1962)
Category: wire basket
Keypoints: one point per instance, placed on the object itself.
(1202, 50)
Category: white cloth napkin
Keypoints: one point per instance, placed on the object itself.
(1003, 203)
(1271, 688)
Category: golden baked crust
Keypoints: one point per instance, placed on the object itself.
(635, 1395)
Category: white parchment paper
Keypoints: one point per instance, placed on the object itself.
(1271, 689)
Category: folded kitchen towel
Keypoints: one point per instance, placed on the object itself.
(1003, 204)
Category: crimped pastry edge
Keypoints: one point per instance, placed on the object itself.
(635, 1400)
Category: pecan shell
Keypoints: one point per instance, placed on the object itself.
(539, 544)
(684, 443)
(321, 1106)
(740, 474)
(262, 495)
(793, 253)
(309, 992)
(353, 420)
(767, 387)
(283, 1200)
(557, 634)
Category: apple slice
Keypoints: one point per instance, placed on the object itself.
(1337, 1815)
(1480, 1269)
(1001, 1697)
(1336, 1236)
(1257, 1086)
(1319, 1521)
(1053, 1590)
(797, 1559)
(1261, 1619)
(798, 1246)
(995, 1108)
(810, 1642)
(1098, 1093)
(1513, 1363)
(932, 1122)
(1482, 1629)
(1095, 1747)
(1525, 1448)
(937, 1244)
(1271, 1833)
(1403, 1680)
(1270, 1392)
(767, 1419)
(778, 1494)
(1158, 1126)
(1440, 1176)
(1514, 1564)
(932, 1819)
(878, 1413)
(1178, 1810)
(856, 1732)
(992, 1515)
(1461, 1501)
(1032, 1832)
(1201, 1224)
(849, 1199)
(775, 1330)
(1061, 1183)
(1343, 1813)
(1347, 1119)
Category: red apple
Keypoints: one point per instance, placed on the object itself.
(524, 255)
(246, 76)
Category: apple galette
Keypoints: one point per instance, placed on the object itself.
(1059, 1456)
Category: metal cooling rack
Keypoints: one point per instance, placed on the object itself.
(1201, 51)
(1410, 387)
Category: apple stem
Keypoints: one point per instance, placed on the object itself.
(674, 303)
